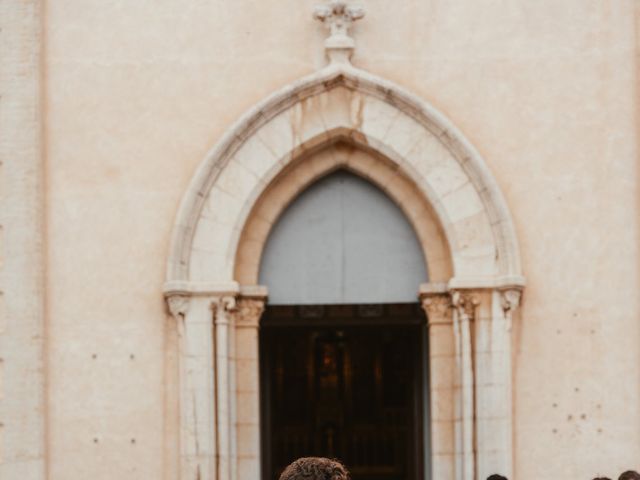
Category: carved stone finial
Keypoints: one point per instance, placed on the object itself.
(338, 17)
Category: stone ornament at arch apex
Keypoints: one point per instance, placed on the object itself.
(341, 102)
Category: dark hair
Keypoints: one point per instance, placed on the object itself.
(315, 468)
(629, 475)
(495, 476)
(602, 478)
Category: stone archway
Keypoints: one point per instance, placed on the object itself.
(424, 163)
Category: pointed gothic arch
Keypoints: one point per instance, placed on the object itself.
(342, 102)
(447, 191)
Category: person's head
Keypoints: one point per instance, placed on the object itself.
(315, 468)
(495, 476)
(629, 475)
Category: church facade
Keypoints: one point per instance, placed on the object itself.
(237, 233)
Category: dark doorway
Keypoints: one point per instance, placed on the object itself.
(346, 382)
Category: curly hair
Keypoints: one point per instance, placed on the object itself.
(315, 468)
(630, 475)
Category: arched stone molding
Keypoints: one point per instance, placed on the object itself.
(440, 181)
(371, 113)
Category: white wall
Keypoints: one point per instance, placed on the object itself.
(137, 92)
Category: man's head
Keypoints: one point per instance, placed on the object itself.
(315, 468)
(495, 476)
(629, 475)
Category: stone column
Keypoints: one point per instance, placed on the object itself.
(193, 317)
(247, 393)
(442, 379)
(465, 303)
(224, 308)
(493, 372)
(471, 327)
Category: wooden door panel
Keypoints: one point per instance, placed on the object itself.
(342, 391)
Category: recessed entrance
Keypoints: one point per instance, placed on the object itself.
(346, 382)
(342, 360)
(229, 256)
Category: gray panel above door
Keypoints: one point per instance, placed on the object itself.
(342, 241)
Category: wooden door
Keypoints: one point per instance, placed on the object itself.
(345, 387)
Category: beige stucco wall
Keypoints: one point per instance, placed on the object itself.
(22, 326)
(137, 92)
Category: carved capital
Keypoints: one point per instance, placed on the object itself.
(223, 308)
(437, 307)
(178, 305)
(510, 299)
(465, 303)
(229, 303)
(248, 312)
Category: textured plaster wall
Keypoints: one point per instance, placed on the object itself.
(22, 421)
(137, 92)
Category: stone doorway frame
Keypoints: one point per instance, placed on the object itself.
(343, 117)
(356, 328)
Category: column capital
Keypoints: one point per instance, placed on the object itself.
(465, 302)
(437, 306)
(178, 305)
(223, 308)
(510, 298)
(249, 311)
(251, 304)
